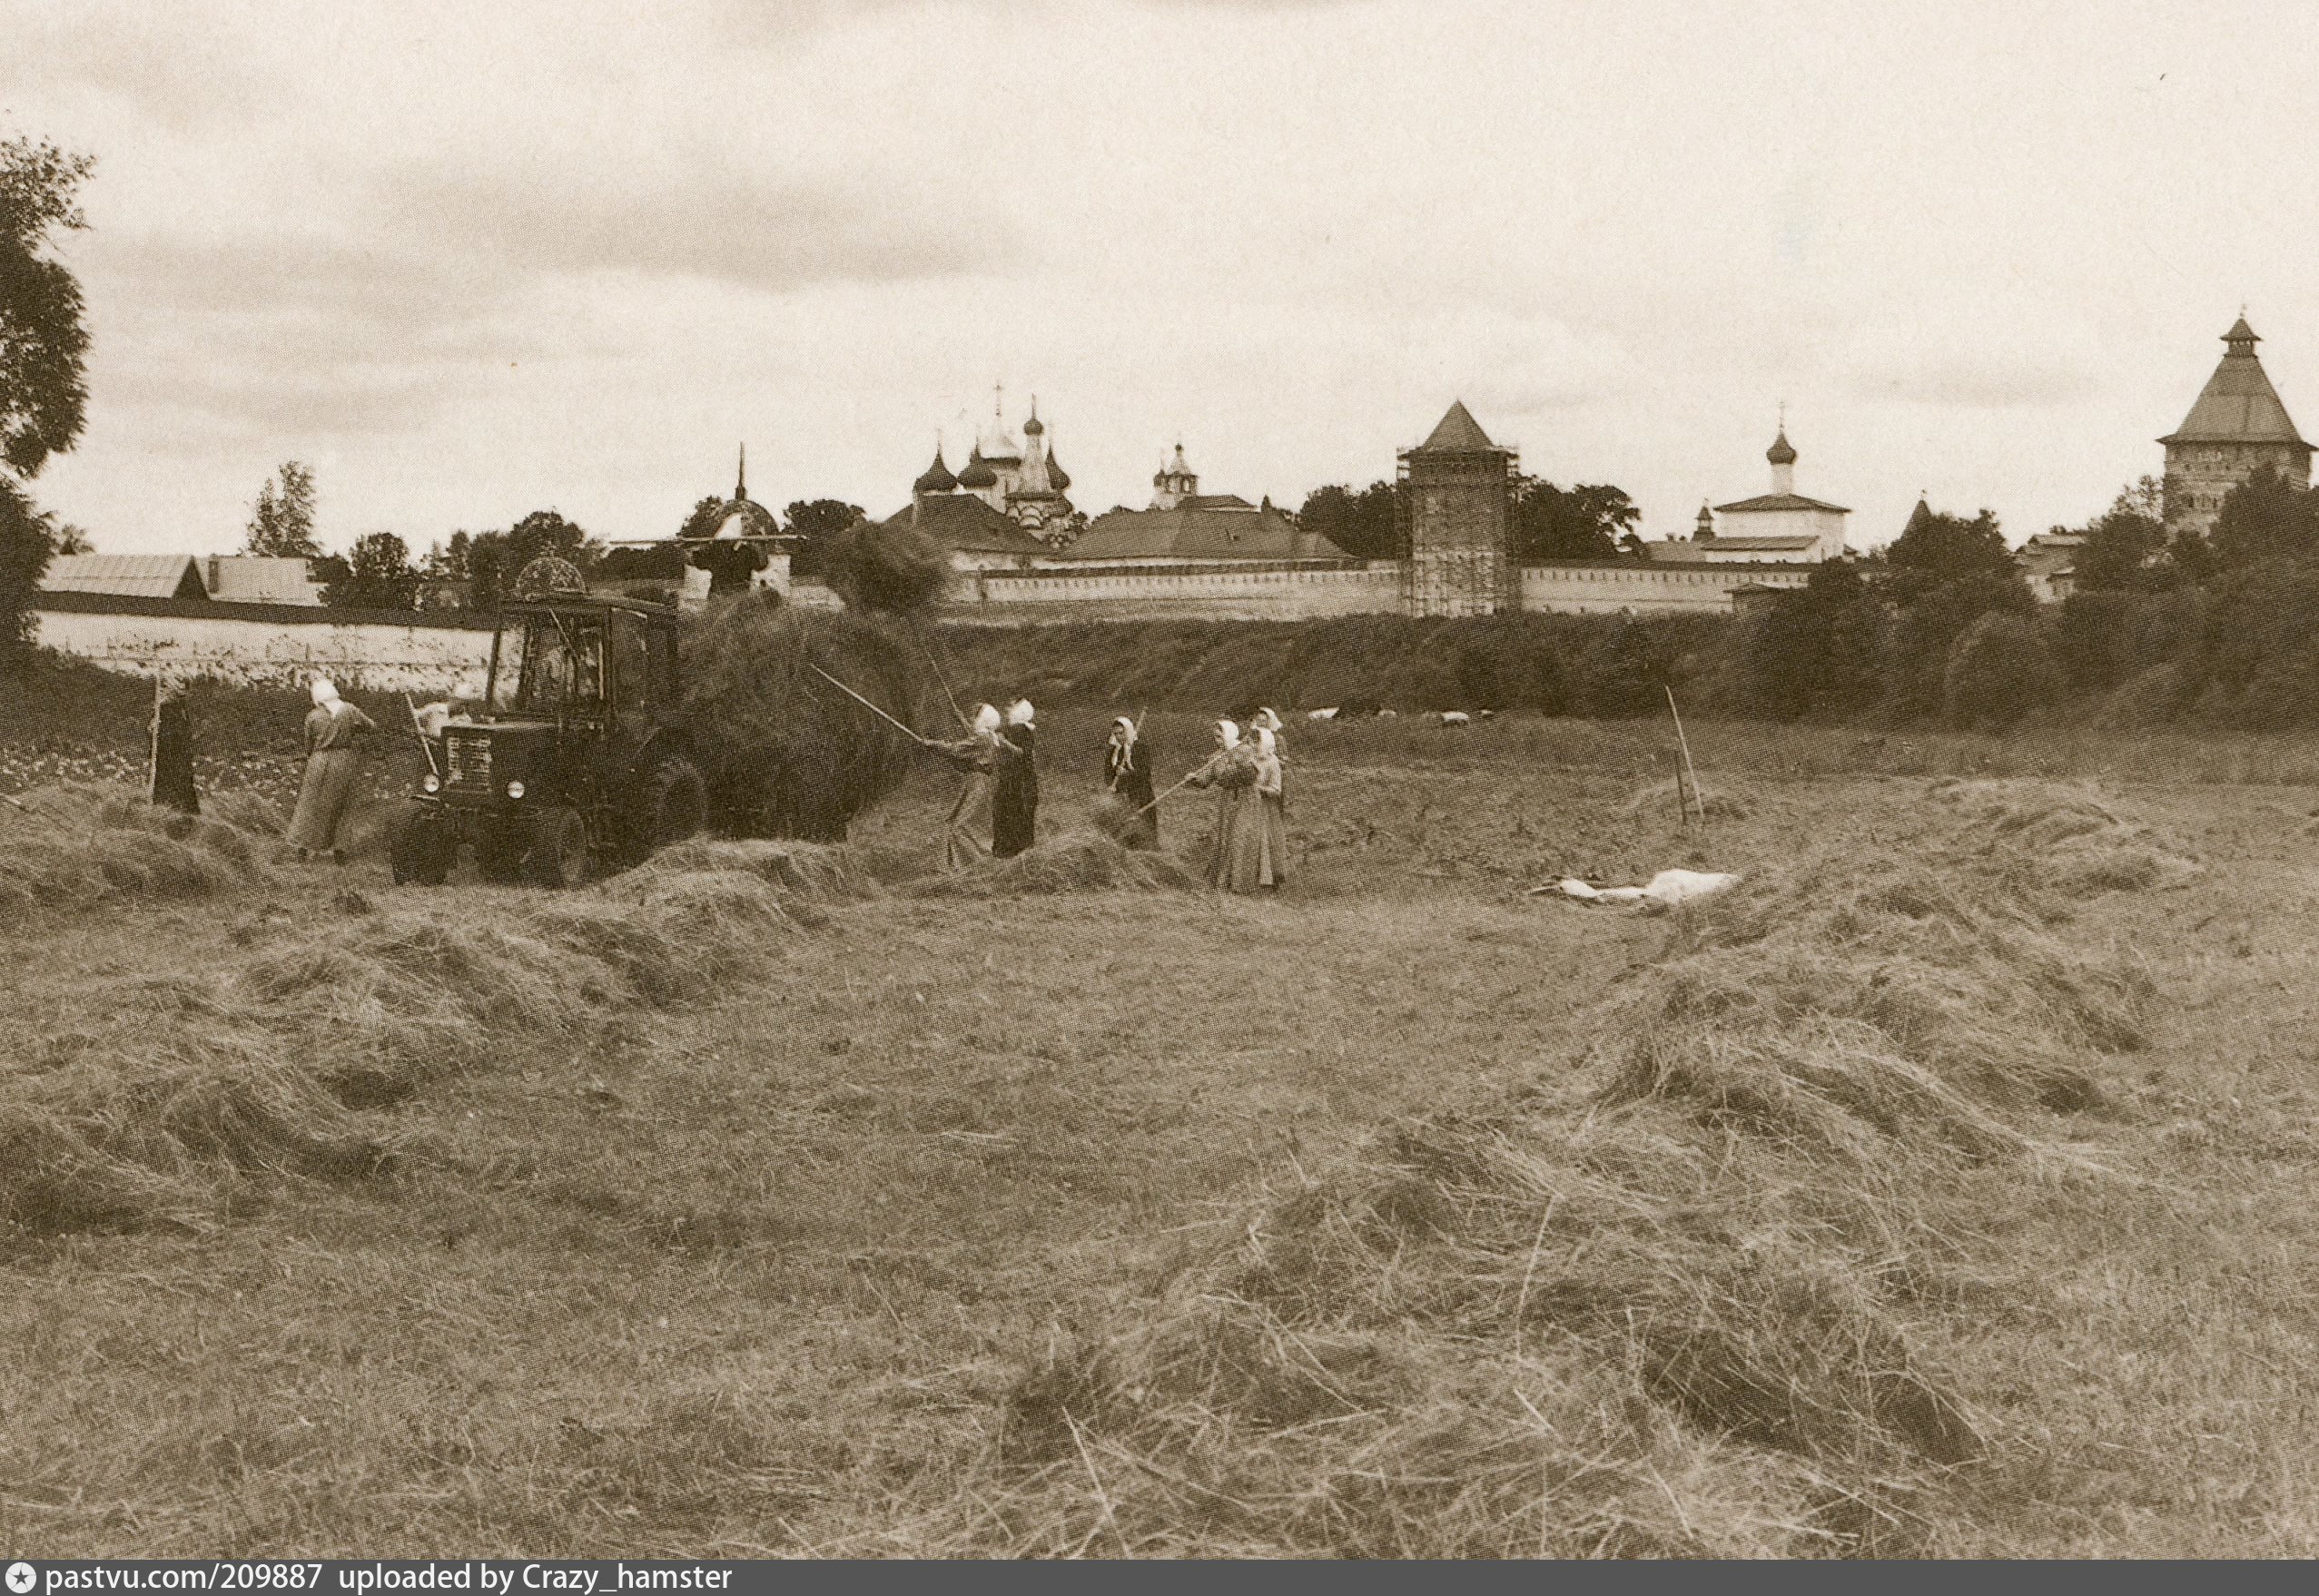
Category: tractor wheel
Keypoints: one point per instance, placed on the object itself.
(559, 856)
(419, 850)
(498, 851)
(679, 802)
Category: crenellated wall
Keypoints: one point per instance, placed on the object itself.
(1209, 592)
(1657, 589)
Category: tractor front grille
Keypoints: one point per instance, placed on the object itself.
(467, 759)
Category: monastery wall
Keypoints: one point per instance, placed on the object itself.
(1202, 592)
(265, 644)
(1648, 590)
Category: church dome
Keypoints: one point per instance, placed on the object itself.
(1057, 477)
(1782, 452)
(978, 472)
(745, 517)
(936, 477)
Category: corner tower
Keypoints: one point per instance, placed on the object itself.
(1456, 493)
(2237, 427)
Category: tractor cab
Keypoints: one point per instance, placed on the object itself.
(578, 755)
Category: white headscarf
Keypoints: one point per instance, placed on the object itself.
(325, 695)
(1230, 735)
(1264, 739)
(1266, 720)
(1021, 713)
(1122, 724)
(986, 718)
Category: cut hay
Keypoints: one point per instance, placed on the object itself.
(2068, 840)
(1672, 1298)
(785, 753)
(164, 1100)
(1076, 861)
(1717, 802)
(76, 845)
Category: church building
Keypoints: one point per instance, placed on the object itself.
(1779, 528)
(2236, 427)
(1024, 481)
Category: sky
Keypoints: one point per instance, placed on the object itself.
(468, 262)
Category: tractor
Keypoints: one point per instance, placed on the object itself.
(577, 759)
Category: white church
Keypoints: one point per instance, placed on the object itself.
(1779, 528)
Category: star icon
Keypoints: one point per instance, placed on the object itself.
(21, 1577)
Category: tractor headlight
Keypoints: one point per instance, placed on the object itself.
(430, 783)
(515, 789)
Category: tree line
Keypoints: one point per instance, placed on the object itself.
(1547, 523)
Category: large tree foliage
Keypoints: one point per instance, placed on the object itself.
(1365, 525)
(1554, 525)
(376, 574)
(818, 523)
(1818, 650)
(44, 347)
(2126, 544)
(282, 523)
(2265, 517)
(488, 562)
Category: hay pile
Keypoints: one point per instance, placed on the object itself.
(1672, 1300)
(165, 1102)
(1075, 862)
(785, 753)
(82, 844)
(2067, 839)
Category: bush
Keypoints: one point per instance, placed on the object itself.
(1999, 671)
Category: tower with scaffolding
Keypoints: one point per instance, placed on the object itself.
(1456, 504)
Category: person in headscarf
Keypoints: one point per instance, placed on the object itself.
(1014, 797)
(172, 753)
(317, 824)
(1126, 776)
(975, 756)
(1231, 771)
(460, 704)
(1272, 823)
(1269, 719)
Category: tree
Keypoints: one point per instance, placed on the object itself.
(1998, 671)
(818, 523)
(708, 515)
(1944, 573)
(377, 574)
(25, 545)
(44, 347)
(1554, 525)
(2126, 544)
(1365, 525)
(2265, 517)
(1818, 650)
(281, 524)
(1937, 548)
(72, 539)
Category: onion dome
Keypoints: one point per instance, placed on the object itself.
(1034, 426)
(1057, 477)
(550, 577)
(936, 477)
(1782, 452)
(978, 472)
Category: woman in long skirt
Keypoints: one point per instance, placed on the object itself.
(1127, 776)
(1272, 828)
(974, 756)
(317, 824)
(1269, 719)
(1014, 794)
(1231, 771)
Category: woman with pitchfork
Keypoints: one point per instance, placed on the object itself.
(975, 756)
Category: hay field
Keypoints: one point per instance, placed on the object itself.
(1946, 1189)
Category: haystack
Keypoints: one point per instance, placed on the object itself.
(785, 753)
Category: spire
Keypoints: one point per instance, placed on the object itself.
(1034, 426)
(2241, 338)
(1706, 524)
(741, 479)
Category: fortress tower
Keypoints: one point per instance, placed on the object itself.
(2238, 425)
(1456, 494)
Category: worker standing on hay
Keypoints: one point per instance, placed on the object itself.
(1014, 794)
(1237, 852)
(1271, 816)
(975, 756)
(1126, 776)
(172, 753)
(317, 824)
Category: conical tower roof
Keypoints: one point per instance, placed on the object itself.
(2238, 404)
(1458, 431)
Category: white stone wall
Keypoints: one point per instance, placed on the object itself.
(1647, 590)
(269, 651)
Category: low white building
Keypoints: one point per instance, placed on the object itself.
(1779, 528)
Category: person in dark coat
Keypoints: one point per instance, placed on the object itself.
(1014, 801)
(173, 755)
(1126, 776)
(324, 797)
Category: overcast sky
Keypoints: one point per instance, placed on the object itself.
(472, 261)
